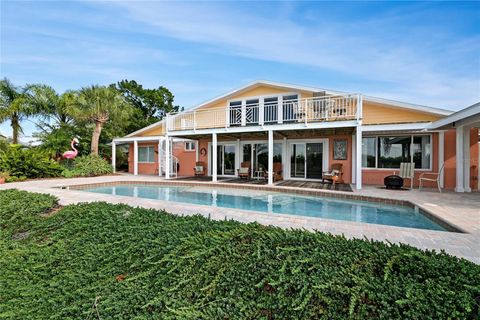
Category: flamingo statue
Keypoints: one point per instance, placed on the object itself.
(71, 154)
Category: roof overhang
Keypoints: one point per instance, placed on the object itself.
(467, 116)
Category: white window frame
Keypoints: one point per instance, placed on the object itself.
(148, 153)
(191, 144)
(411, 154)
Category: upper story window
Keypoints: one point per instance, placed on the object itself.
(189, 146)
(146, 154)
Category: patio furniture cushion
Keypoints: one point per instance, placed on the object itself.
(243, 170)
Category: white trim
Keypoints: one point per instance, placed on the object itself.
(395, 127)
(153, 125)
(441, 156)
(473, 110)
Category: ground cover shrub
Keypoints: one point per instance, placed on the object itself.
(114, 261)
(22, 163)
(88, 166)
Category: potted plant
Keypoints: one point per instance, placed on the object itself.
(3, 177)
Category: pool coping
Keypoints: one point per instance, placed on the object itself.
(448, 225)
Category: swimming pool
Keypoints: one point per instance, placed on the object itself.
(279, 203)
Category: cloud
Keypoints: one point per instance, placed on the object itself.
(415, 68)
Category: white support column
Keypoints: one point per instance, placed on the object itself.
(284, 158)
(354, 158)
(358, 157)
(197, 154)
(280, 110)
(441, 155)
(168, 166)
(466, 164)
(214, 157)
(135, 157)
(238, 160)
(459, 155)
(159, 157)
(270, 157)
(114, 156)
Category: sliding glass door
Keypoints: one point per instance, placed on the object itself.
(306, 160)
(225, 160)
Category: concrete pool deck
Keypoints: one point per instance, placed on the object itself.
(461, 210)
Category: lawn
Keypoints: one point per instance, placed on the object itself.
(104, 261)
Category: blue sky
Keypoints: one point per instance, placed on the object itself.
(419, 52)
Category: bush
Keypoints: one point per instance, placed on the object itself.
(28, 163)
(146, 264)
(88, 166)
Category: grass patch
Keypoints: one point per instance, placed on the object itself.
(116, 261)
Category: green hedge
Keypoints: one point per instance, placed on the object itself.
(144, 264)
(22, 163)
(88, 166)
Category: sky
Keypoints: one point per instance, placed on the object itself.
(420, 52)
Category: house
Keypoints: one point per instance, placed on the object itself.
(304, 131)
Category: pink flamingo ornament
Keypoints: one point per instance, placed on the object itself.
(71, 154)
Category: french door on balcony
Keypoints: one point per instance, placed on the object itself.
(307, 160)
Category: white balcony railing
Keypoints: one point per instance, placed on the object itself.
(317, 109)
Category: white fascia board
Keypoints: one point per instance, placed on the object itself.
(473, 110)
(395, 127)
(280, 127)
(150, 138)
(410, 106)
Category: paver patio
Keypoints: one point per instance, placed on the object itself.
(461, 210)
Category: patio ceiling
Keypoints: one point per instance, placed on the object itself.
(289, 134)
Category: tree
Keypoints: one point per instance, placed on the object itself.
(150, 105)
(14, 106)
(99, 105)
(52, 106)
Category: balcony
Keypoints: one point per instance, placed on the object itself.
(308, 110)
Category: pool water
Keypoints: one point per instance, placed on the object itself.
(275, 202)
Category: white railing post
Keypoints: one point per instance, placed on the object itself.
(228, 113)
(114, 156)
(244, 113)
(261, 111)
(280, 110)
(359, 107)
(194, 120)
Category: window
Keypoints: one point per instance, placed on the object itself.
(190, 146)
(387, 152)
(146, 154)
(369, 152)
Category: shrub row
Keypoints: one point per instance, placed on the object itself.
(113, 261)
(88, 166)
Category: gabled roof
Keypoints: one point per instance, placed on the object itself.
(404, 105)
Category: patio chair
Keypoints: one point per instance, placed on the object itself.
(277, 172)
(406, 172)
(199, 169)
(431, 176)
(334, 175)
(244, 171)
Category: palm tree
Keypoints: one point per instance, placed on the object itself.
(14, 106)
(99, 105)
(52, 106)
